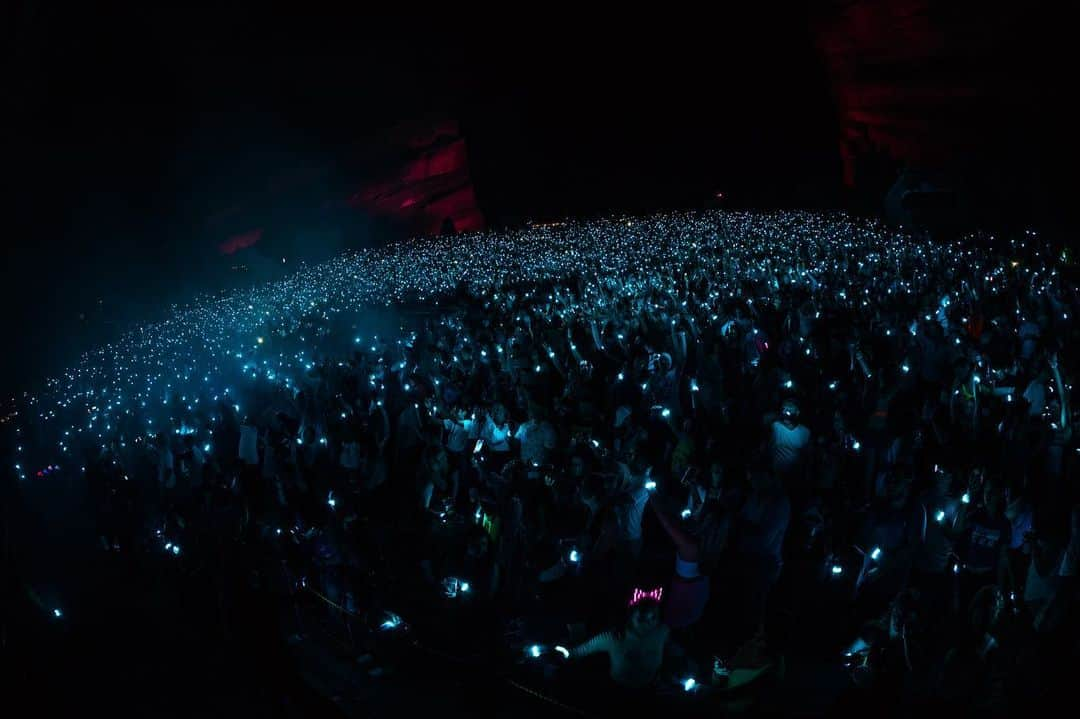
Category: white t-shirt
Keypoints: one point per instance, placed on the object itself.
(537, 439)
(635, 660)
(496, 438)
(788, 446)
(630, 514)
(459, 434)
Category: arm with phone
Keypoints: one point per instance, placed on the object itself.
(1063, 397)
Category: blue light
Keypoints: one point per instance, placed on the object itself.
(837, 570)
(176, 550)
(875, 553)
(686, 513)
(563, 650)
(650, 485)
(534, 650)
(392, 621)
(688, 684)
(464, 586)
(940, 516)
(966, 498)
(574, 556)
(57, 613)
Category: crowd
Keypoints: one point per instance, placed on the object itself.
(701, 444)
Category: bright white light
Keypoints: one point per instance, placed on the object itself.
(875, 553)
(688, 684)
(392, 621)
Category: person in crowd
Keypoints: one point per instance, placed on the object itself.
(758, 537)
(789, 442)
(637, 652)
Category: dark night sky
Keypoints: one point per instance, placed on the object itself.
(133, 124)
